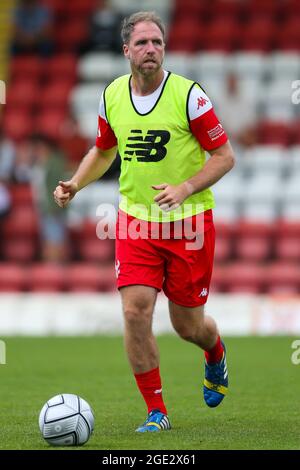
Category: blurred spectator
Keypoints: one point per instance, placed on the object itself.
(48, 169)
(32, 29)
(7, 157)
(75, 147)
(105, 29)
(22, 170)
(238, 114)
(73, 144)
(5, 201)
(6, 165)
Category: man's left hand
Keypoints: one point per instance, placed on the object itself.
(171, 197)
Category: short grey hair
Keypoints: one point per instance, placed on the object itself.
(129, 23)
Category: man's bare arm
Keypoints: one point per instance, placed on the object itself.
(93, 166)
(220, 162)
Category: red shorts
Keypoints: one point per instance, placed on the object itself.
(179, 261)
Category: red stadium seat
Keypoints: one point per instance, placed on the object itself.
(46, 277)
(288, 248)
(252, 248)
(23, 94)
(288, 229)
(81, 8)
(218, 278)
(18, 124)
(57, 7)
(21, 194)
(225, 10)
(254, 229)
(243, 289)
(287, 43)
(19, 250)
(244, 277)
(288, 37)
(86, 277)
(221, 36)
(108, 281)
(83, 277)
(294, 131)
(97, 250)
(62, 67)
(49, 123)
(190, 9)
(261, 9)
(274, 133)
(72, 35)
(283, 276)
(186, 36)
(21, 222)
(74, 146)
(223, 249)
(88, 229)
(56, 95)
(13, 277)
(87, 234)
(292, 8)
(29, 67)
(258, 35)
(224, 229)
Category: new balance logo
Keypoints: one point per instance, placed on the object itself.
(203, 293)
(201, 102)
(149, 149)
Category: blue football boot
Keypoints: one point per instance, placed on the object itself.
(215, 382)
(156, 421)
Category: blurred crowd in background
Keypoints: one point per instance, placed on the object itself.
(56, 57)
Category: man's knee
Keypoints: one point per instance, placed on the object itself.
(138, 304)
(187, 322)
(186, 333)
(138, 313)
(193, 332)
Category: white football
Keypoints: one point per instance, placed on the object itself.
(66, 420)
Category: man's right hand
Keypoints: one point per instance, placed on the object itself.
(64, 192)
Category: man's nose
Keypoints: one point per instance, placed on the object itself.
(150, 47)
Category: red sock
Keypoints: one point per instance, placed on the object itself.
(149, 384)
(215, 354)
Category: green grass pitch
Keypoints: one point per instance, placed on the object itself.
(261, 411)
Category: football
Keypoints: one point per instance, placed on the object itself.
(66, 420)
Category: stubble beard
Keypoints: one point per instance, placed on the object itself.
(148, 72)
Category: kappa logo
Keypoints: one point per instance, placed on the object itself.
(201, 102)
(149, 149)
(204, 292)
(117, 267)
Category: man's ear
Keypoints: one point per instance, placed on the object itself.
(126, 51)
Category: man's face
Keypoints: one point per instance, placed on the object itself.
(146, 48)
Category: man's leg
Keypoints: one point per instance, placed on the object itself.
(138, 306)
(192, 325)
